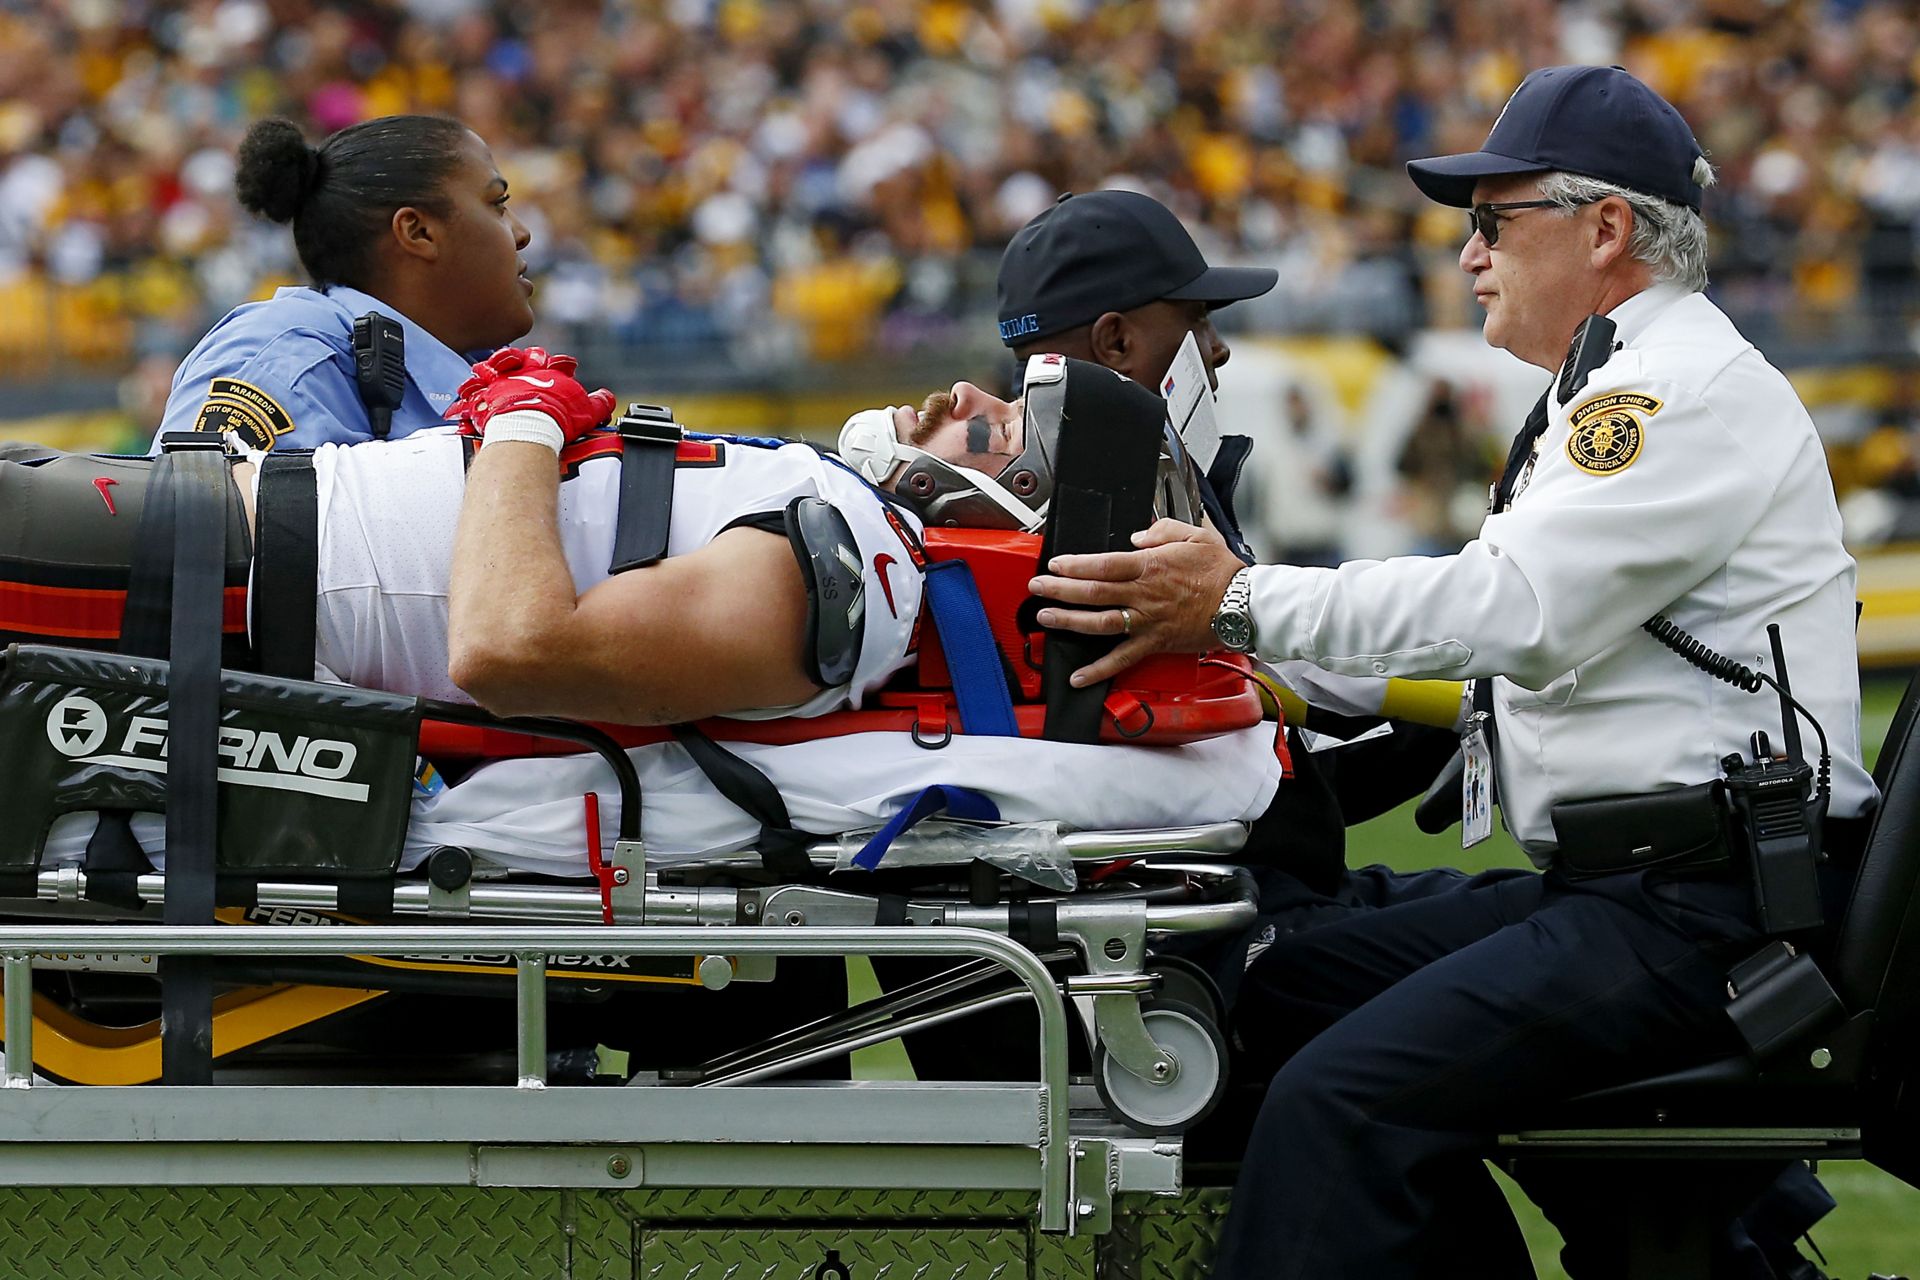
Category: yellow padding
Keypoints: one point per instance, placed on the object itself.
(1293, 708)
(69, 1047)
(1434, 702)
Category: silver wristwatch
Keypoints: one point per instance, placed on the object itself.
(1233, 621)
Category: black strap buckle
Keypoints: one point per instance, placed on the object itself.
(652, 423)
(649, 440)
(183, 441)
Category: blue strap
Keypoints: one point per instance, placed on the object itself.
(955, 802)
(973, 656)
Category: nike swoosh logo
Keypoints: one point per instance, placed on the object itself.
(545, 386)
(881, 563)
(103, 483)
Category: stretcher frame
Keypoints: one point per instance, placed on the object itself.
(1100, 940)
(1107, 939)
(932, 1135)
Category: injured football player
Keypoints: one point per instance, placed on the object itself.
(536, 565)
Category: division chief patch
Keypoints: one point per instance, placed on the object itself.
(245, 410)
(1607, 431)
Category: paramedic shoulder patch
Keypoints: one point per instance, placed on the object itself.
(244, 409)
(1607, 431)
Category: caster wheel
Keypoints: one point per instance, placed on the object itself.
(1184, 982)
(1149, 1108)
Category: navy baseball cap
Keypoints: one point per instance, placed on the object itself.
(1599, 122)
(1108, 251)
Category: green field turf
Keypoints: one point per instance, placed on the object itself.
(1876, 1227)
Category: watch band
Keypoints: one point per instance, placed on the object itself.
(1233, 620)
(1237, 594)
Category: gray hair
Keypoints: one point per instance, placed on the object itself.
(1669, 238)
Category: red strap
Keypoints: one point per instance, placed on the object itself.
(932, 724)
(86, 613)
(606, 444)
(595, 863)
(1130, 715)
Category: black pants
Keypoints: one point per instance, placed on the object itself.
(1442, 1020)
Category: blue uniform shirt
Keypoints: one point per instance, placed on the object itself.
(280, 373)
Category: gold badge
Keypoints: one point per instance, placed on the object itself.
(1607, 431)
(245, 410)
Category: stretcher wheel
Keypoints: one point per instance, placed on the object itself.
(1184, 982)
(1149, 1108)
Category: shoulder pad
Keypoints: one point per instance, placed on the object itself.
(831, 566)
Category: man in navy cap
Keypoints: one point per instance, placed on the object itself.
(1112, 277)
(1669, 471)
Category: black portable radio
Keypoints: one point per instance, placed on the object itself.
(379, 368)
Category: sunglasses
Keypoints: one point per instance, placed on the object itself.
(1484, 219)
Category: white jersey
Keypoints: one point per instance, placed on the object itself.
(1685, 478)
(388, 509)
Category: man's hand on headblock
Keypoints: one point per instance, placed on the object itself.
(530, 381)
(1162, 597)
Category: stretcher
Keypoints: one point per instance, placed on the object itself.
(317, 783)
(165, 782)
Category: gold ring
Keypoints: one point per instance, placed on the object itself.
(1126, 621)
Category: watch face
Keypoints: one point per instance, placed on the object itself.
(1235, 630)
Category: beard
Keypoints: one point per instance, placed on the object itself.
(934, 410)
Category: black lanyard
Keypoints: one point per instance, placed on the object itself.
(1518, 455)
(1517, 458)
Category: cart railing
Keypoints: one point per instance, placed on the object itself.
(531, 945)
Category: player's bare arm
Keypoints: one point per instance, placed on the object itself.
(714, 631)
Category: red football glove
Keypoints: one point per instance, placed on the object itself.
(512, 379)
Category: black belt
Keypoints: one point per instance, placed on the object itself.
(286, 566)
(1677, 831)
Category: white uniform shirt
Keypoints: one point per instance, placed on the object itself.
(1685, 478)
(387, 513)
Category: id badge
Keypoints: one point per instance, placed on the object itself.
(1476, 785)
(1189, 400)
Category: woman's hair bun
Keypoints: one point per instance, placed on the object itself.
(276, 170)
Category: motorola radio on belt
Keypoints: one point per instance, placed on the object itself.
(1775, 808)
(379, 368)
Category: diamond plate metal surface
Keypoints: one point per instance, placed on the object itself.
(925, 1235)
(1168, 1237)
(1058, 1257)
(403, 1233)
(850, 1251)
(760, 1202)
(325, 1233)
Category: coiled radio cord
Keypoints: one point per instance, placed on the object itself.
(1740, 676)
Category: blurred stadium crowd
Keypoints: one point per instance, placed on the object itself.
(749, 194)
(785, 180)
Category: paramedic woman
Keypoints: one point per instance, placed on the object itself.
(402, 215)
